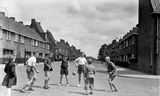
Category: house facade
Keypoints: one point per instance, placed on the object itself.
(148, 36)
(124, 52)
(19, 39)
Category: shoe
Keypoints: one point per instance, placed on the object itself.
(67, 84)
(79, 85)
(46, 87)
(60, 84)
(30, 89)
(91, 93)
(23, 91)
(86, 93)
(115, 90)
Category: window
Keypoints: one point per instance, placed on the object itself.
(1, 32)
(36, 43)
(32, 42)
(126, 43)
(133, 40)
(16, 37)
(7, 52)
(8, 35)
(59, 50)
(22, 39)
(43, 45)
(47, 46)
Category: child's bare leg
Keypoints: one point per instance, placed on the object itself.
(66, 79)
(79, 78)
(61, 79)
(115, 89)
(109, 80)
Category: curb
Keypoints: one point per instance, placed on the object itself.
(126, 76)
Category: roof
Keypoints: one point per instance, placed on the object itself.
(37, 26)
(132, 32)
(156, 6)
(51, 38)
(16, 27)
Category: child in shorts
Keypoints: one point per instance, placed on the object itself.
(89, 76)
(64, 70)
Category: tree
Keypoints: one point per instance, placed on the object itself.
(102, 52)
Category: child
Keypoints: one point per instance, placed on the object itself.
(47, 69)
(10, 78)
(64, 70)
(80, 63)
(89, 76)
(112, 73)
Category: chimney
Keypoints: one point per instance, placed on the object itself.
(2, 13)
(21, 22)
(12, 18)
(33, 20)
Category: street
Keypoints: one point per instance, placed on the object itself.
(126, 86)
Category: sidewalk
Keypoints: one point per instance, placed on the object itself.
(129, 73)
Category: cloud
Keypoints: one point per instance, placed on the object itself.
(87, 24)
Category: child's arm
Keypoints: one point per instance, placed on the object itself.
(113, 67)
(68, 63)
(75, 62)
(35, 69)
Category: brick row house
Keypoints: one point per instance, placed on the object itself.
(124, 52)
(19, 39)
(144, 49)
(22, 40)
(148, 36)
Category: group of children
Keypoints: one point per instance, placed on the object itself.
(85, 69)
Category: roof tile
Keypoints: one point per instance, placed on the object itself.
(156, 5)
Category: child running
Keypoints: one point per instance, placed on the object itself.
(64, 70)
(89, 76)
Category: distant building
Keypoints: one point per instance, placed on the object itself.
(63, 49)
(38, 28)
(19, 39)
(125, 50)
(148, 36)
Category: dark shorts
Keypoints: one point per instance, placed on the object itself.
(81, 69)
(64, 71)
(112, 76)
(30, 72)
(89, 83)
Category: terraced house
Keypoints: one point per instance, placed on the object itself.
(125, 51)
(19, 39)
(149, 36)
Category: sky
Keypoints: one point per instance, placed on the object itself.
(86, 24)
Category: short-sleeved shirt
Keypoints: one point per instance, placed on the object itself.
(31, 61)
(47, 64)
(81, 60)
(90, 71)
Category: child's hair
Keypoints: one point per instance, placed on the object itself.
(89, 61)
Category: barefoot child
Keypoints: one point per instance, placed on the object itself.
(112, 73)
(89, 76)
(64, 70)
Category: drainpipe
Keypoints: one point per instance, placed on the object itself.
(157, 49)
